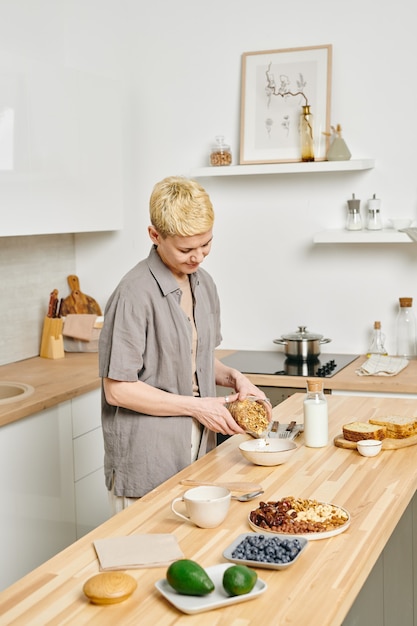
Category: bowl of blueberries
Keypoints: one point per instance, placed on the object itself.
(258, 550)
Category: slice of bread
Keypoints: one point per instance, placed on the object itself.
(355, 431)
(397, 426)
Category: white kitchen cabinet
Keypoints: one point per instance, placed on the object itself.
(37, 491)
(53, 489)
(385, 596)
(91, 496)
(91, 502)
(61, 167)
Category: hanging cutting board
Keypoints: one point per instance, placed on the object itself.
(77, 301)
(387, 444)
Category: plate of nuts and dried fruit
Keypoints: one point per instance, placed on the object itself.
(299, 517)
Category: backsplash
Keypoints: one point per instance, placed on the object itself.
(30, 268)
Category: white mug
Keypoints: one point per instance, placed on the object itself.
(206, 506)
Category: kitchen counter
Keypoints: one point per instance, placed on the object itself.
(318, 589)
(62, 379)
(346, 380)
(54, 381)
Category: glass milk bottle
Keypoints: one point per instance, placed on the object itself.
(316, 421)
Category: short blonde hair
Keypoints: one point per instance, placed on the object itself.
(179, 206)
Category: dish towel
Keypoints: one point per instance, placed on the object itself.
(379, 365)
(136, 551)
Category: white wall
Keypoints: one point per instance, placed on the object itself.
(180, 64)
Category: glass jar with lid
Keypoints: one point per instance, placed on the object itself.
(316, 420)
(220, 153)
(406, 329)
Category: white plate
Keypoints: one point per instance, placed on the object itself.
(264, 564)
(215, 600)
(310, 536)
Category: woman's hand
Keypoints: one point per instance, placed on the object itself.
(212, 413)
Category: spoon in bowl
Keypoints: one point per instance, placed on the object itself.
(245, 497)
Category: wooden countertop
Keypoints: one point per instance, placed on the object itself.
(62, 379)
(54, 381)
(317, 590)
(346, 379)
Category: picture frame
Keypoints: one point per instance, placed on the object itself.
(275, 85)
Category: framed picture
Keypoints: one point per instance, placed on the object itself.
(275, 86)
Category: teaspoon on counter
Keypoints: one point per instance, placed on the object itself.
(245, 497)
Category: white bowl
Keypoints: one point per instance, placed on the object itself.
(400, 222)
(369, 447)
(268, 452)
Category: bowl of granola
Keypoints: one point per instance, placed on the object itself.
(268, 451)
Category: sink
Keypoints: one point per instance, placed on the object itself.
(14, 392)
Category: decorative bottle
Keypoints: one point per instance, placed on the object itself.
(306, 134)
(338, 150)
(316, 421)
(406, 329)
(377, 342)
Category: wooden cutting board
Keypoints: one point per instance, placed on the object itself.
(77, 301)
(387, 444)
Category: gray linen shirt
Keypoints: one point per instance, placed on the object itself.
(147, 336)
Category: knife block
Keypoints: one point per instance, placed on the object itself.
(52, 343)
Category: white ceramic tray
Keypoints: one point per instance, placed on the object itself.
(215, 600)
(264, 564)
(310, 536)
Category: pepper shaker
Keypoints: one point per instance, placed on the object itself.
(354, 220)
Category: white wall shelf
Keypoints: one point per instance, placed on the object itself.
(284, 168)
(387, 235)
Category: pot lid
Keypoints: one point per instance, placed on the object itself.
(302, 335)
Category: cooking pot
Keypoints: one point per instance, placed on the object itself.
(302, 345)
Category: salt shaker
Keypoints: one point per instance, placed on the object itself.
(354, 220)
(374, 214)
(316, 420)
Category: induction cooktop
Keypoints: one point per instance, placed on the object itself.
(271, 362)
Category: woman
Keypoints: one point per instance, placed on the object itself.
(156, 353)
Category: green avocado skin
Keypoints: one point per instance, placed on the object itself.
(189, 578)
(239, 580)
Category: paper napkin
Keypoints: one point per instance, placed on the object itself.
(137, 551)
(379, 365)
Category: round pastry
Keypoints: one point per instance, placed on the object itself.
(109, 587)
